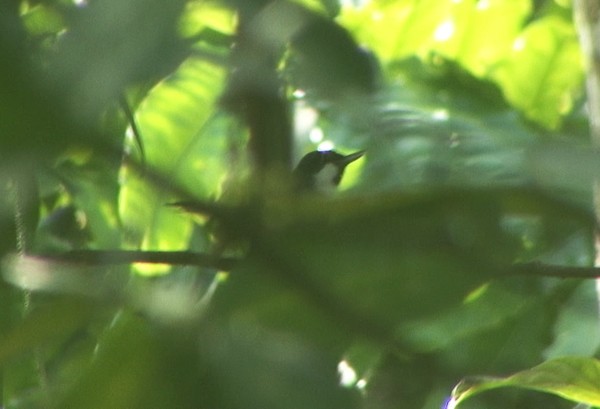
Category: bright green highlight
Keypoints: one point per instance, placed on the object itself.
(572, 378)
(537, 66)
(183, 146)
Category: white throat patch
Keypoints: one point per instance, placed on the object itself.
(325, 179)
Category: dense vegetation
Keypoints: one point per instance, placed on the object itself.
(453, 267)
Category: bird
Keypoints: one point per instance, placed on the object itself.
(322, 171)
(318, 171)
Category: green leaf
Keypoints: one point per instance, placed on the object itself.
(572, 378)
(486, 308)
(475, 34)
(543, 74)
(488, 34)
(185, 144)
(576, 330)
(409, 25)
(43, 20)
(538, 67)
(203, 15)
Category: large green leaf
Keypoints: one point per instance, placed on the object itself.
(480, 33)
(199, 16)
(43, 20)
(487, 308)
(573, 378)
(537, 66)
(576, 330)
(184, 144)
(543, 74)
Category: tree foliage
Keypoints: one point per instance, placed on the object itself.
(155, 255)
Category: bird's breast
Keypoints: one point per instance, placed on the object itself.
(327, 179)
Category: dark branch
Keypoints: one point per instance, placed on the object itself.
(110, 257)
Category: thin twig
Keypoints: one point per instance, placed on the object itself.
(535, 269)
(137, 135)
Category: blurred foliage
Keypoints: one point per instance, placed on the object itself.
(392, 293)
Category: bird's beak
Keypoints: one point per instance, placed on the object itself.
(351, 158)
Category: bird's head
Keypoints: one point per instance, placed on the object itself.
(322, 171)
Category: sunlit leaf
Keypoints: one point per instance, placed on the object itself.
(200, 15)
(572, 378)
(405, 32)
(537, 67)
(478, 35)
(543, 74)
(489, 33)
(41, 20)
(329, 7)
(183, 145)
